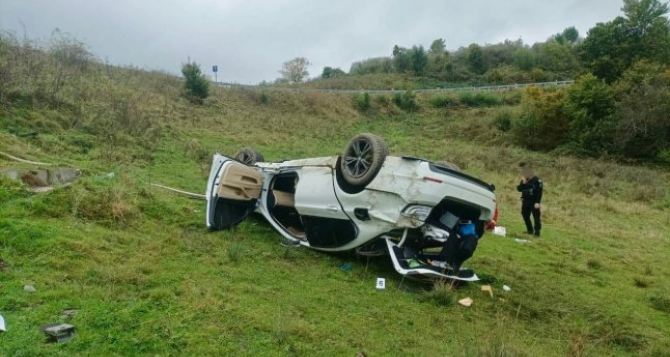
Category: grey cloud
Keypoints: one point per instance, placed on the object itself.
(249, 40)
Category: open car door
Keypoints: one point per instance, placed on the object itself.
(233, 190)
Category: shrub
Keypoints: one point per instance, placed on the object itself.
(406, 101)
(264, 98)
(196, 85)
(512, 97)
(544, 124)
(443, 101)
(362, 101)
(503, 120)
(590, 105)
(479, 99)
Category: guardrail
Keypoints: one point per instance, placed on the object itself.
(495, 88)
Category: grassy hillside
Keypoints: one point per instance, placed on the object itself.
(379, 81)
(148, 278)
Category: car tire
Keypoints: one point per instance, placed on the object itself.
(362, 159)
(249, 156)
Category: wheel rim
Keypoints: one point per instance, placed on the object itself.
(358, 158)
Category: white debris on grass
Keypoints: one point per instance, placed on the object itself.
(467, 302)
(3, 327)
(506, 288)
(488, 289)
(499, 231)
(29, 288)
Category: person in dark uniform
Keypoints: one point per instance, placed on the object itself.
(531, 197)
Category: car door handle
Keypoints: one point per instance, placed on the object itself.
(332, 208)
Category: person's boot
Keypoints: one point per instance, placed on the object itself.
(537, 234)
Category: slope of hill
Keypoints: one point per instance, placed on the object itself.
(147, 278)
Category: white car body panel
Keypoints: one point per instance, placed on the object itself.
(314, 195)
(400, 183)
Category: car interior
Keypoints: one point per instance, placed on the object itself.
(281, 204)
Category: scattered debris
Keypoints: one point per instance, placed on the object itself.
(346, 267)
(29, 288)
(499, 231)
(3, 328)
(506, 288)
(521, 241)
(69, 313)
(488, 289)
(381, 284)
(43, 180)
(3, 265)
(467, 302)
(58, 332)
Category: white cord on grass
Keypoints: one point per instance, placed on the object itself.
(24, 161)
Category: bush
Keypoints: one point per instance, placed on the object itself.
(196, 85)
(590, 105)
(443, 101)
(544, 124)
(503, 121)
(479, 99)
(512, 97)
(264, 98)
(362, 101)
(406, 101)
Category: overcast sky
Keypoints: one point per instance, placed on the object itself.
(250, 39)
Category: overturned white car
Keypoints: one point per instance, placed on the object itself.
(428, 217)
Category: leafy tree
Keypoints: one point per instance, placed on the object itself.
(438, 46)
(555, 57)
(642, 33)
(295, 70)
(330, 72)
(196, 84)
(402, 61)
(569, 36)
(642, 107)
(418, 59)
(523, 58)
(372, 65)
(475, 58)
(590, 105)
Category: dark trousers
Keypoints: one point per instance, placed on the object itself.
(527, 208)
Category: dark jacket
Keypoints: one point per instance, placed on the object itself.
(531, 191)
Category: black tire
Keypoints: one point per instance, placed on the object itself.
(362, 159)
(249, 156)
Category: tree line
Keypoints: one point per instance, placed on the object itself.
(620, 103)
(606, 51)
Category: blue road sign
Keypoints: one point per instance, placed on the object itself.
(215, 68)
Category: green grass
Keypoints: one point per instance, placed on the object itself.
(380, 81)
(148, 278)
